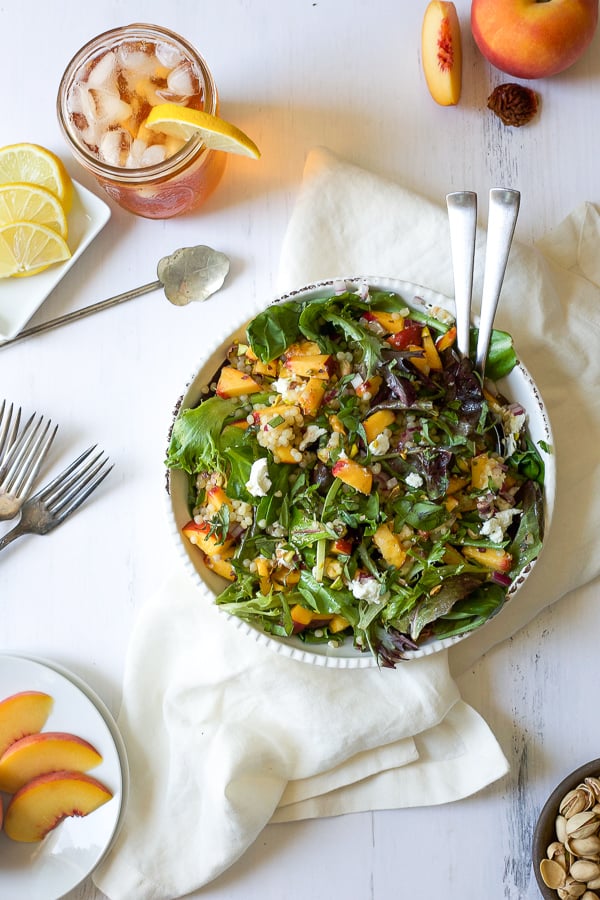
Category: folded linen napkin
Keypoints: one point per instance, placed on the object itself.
(223, 734)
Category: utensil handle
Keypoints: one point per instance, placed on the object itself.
(10, 536)
(502, 218)
(83, 312)
(462, 216)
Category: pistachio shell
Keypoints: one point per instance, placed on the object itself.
(571, 890)
(585, 870)
(594, 884)
(594, 784)
(575, 801)
(588, 847)
(553, 874)
(560, 827)
(589, 895)
(582, 824)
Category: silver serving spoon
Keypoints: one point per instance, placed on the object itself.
(190, 273)
(462, 216)
(502, 218)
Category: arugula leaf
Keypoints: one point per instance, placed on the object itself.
(194, 444)
(240, 450)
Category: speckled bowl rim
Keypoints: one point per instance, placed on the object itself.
(210, 585)
(544, 832)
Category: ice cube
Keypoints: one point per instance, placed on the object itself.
(137, 58)
(114, 147)
(134, 160)
(168, 54)
(108, 108)
(153, 155)
(183, 80)
(104, 73)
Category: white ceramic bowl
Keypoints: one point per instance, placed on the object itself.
(518, 386)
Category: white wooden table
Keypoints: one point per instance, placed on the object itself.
(344, 74)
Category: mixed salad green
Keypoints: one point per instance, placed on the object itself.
(353, 479)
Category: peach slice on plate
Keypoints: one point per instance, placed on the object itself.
(22, 714)
(42, 804)
(48, 751)
(441, 52)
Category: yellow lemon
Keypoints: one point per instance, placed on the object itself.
(22, 202)
(27, 248)
(184, 123)
(36, 165)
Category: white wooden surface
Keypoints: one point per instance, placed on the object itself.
(344, 74)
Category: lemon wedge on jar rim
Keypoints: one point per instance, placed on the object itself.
(217, 134)
(33, 164)
(27, 248)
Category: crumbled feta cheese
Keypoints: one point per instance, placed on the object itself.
(365, 589)
(414, 480)
(259, 482)
(495, 527)
(381, 444)
(312, 434)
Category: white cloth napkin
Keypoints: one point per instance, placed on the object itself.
(224, 735)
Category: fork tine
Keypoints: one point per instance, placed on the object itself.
(83, 490)
(7, 437)
(63, 480)
(23, 454)
(33, 463)
(71, 486)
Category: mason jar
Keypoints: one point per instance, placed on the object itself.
(104, 97)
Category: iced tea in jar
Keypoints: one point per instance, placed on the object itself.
(105, 95)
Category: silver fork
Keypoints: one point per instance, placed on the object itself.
(61, 497)
(22, 460)
(8, 433)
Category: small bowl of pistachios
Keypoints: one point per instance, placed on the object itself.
(566, 841)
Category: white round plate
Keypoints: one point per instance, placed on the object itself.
(518, 386)
(68, 854)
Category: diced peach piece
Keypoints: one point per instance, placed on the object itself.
(220, 565)
(264, 414)
(287, 455)
(42, 803)
(485, 469)
(311, 396)
(441, 52)
(22, 714)
(268, 368)
(391, 322)
(46, 751)
(200, 535)
(233, 383)
(446, 340)
(338, 623)
(431, 354)
(313, 366)
(419, 360)
(302, 348)
(241, 423)
(370, 386)
(377, 422)
(300, 615)
(216, 498)
(389, 546)
(456, 484)
(452, 557)
(341, 546)
(352, 473)
(498, 560)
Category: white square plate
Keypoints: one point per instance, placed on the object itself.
(20, 298)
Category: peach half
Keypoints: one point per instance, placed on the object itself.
(42, 804)
(48, 751)
(21, 714)
(441, 52)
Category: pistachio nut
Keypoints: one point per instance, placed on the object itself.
(584, 870)
(582, 824)
(588, 847)
(571, 890)
(594, 784)
(553, 874)
(576, 801)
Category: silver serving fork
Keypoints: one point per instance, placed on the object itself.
(61, 497)
(21, 458)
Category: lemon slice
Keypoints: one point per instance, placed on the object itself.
(36, 165)
(184, 123)
(22, 202)
(27, 248)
